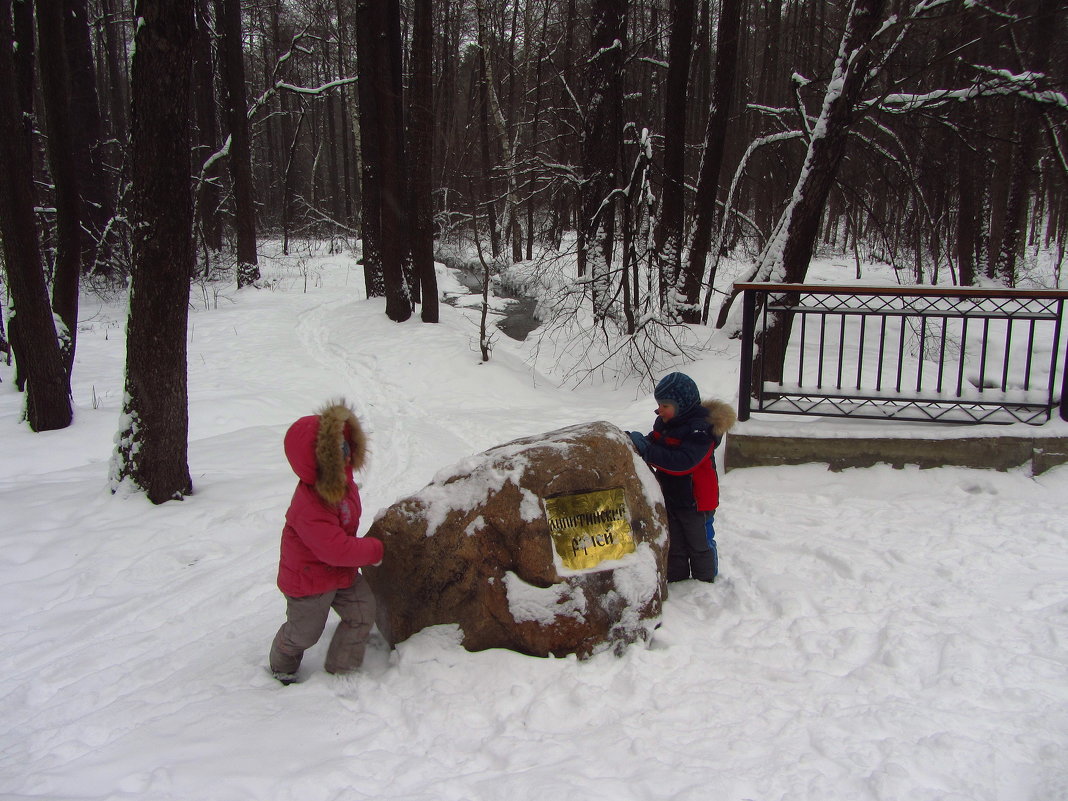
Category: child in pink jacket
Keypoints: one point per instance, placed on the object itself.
(320, 553)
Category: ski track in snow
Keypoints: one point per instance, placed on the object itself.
(875, 634)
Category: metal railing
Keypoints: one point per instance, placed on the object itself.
(955, 355)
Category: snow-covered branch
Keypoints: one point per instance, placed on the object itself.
(1000, 82)
(218, 155)
(315, 90)
(277, 84)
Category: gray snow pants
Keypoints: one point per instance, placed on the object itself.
(306, 620)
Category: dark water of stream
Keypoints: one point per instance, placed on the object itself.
(517, 320)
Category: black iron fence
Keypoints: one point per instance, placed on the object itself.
(955, 355)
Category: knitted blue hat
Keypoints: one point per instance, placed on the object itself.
(679, 389)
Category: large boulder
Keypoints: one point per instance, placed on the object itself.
(554, 544)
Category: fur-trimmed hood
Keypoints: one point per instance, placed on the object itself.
(721, 416)
(313, 448)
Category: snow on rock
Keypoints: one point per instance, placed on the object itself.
(553, 544)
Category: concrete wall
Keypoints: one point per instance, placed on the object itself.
(998, 453)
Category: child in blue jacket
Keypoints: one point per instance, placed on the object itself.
(680, 450)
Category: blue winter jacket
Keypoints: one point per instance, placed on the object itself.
(681, 453)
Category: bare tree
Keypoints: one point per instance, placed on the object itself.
(494, 111)
(787, 255)
(95, 187)
(228, 18)
(208, 195)
(118, 94)
(421, 134)
(31, 330)
(667, 243)
(370, 159)
(1041, 32)
(601, 144)
(152, 443)
(381, 57)
(712, 159)
(55, 86)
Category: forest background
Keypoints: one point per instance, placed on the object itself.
(149, 145)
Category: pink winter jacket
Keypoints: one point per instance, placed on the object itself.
(320, 550)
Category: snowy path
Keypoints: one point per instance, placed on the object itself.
(876, 634)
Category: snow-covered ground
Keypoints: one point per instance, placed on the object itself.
(875, 634)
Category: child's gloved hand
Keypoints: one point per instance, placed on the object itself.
(641, 444)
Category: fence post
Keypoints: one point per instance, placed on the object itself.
(1064, 385)
(745, 369)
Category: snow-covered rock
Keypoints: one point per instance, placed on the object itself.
(549, 545)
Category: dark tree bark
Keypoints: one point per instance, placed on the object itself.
(55, 86)
(1022, 173)
(566, 123)
(967, 230)
(153, 441)
(95, 188)
(343, 68)
(421, 133)
(25, 50)
(712, 158)
(395, 254)
(370, 177)
(208, 196)
(337, 203)
(667, 240)
(383, 20)
(287, 185)
(32, 332)
(601, 145)
(118, 85)
(228, 18)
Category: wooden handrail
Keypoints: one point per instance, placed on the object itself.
(910, 291)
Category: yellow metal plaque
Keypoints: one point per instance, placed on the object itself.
(590, 527)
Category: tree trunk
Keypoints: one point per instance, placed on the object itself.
(337, 202)
(346, 129)
(118, 86)
(567, 123)
(383, 39)
(287, 188)
(25, 64)
(97, 196)
(396, 259)
(601, 144)
(31, 330)
(667, 240)
(489, 193)
(370, 177)
(511, 215)
(967, 229)
(228, 16)
(1021, 176)
(55, 86)
(421, 133)
(152, 444)
(712, 160)
(532, 175)
(788, 253)
(207, 138)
